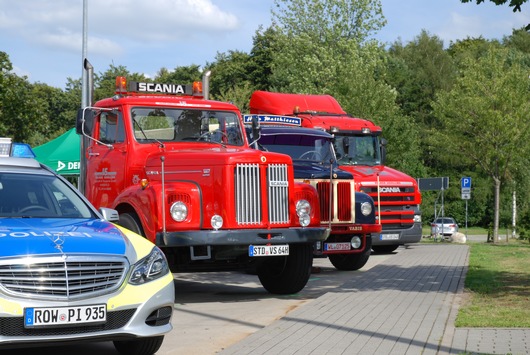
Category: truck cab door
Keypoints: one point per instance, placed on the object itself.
(106, 159)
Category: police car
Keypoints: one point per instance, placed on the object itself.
(67, 274)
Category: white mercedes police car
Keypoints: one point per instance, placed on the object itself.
(67, 274)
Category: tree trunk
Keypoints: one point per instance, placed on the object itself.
(496, 210)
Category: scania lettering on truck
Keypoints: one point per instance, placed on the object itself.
(179, 170)
(349, 214)
(360, 150)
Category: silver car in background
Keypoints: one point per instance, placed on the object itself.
(444, 226)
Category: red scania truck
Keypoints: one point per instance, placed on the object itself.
(179, 170)
(360, 150)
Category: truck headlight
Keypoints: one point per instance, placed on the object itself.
(150, 268)
(417, 218)
(355, 242)
(303, 207)
(216, 221)
(366, 208)
(179, 211)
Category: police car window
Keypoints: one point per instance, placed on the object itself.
(26, 196)
(178, 125)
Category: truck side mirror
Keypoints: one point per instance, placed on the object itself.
(84, 122)
(256, 128)
(383, 150)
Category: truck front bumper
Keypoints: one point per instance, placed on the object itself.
(398, 236)
(242, 237)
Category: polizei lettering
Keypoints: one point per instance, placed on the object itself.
(389, 189)
(159, 88)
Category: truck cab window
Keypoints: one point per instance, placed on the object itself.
(186, 125)
(111, 128)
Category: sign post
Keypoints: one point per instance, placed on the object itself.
(466, 193)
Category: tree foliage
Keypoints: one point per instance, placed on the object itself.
(486, 117)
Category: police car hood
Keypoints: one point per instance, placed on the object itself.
(45, 236)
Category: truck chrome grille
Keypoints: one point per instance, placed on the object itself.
(57, 279)
(249, 194)
(342, 208)
(278, 193)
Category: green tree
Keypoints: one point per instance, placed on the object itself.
(325, 47)
(485, 117)
(184, 75)
(22, 114)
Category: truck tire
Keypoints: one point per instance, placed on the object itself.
(131, 222)
(350, 262)
(141, 346)
(287, 274)
(384, 249)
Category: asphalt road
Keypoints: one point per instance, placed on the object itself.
(215, 310)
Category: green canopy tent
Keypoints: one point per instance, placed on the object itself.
(61, 154)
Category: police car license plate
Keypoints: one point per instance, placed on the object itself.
(337, 246)
(268, 250)
(390, 236)
(45, 317)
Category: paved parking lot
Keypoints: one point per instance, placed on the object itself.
(216, 310)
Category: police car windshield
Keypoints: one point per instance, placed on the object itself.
(38, 196)
(357, 150)
(186, 125)
(299, 147)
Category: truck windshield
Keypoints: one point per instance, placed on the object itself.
(357, 150)
(185, 125)
(299, 147)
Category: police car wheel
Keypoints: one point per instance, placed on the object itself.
(142, 346)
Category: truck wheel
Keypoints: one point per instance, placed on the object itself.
(384, 249)
(142, 346)
(131, 222)
(287, 274)
(349, 262)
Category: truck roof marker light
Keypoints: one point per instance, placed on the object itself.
(366, 130)
(334, 129)
(296, 110)
(121, 85)
(197, 88)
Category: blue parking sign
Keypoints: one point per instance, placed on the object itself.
(466, 182)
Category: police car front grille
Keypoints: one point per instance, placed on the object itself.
(53, 278)
(249, 194)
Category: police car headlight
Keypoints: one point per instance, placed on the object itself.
(150, 268)
(366, 208)
(179, 211)
(355, 242)
(217, 222)
(303, 207)
(417, 218)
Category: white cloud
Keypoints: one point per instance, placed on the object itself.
(58, 23)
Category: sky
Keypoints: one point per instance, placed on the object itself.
(43, 38)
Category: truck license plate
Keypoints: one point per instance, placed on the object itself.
(44, 317)
(337, 246)
(390, 236)
(268, 250)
